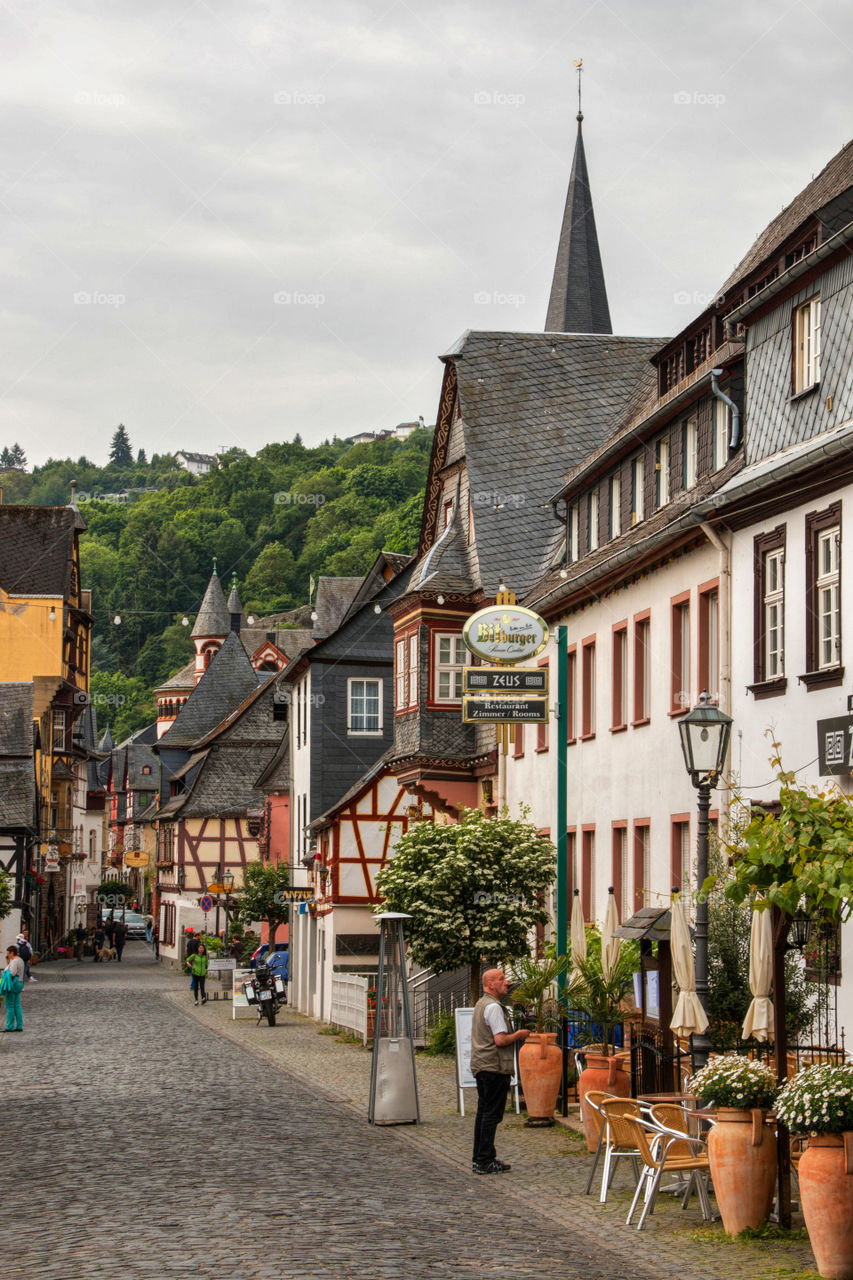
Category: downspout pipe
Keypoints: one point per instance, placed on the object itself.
(716, 374)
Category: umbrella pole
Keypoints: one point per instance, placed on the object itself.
(701, 1043)
(781, 923)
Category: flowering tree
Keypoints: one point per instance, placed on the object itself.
(474, 890)
(5, 894)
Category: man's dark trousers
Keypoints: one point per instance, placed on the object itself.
(492, 1089)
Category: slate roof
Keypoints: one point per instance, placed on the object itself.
(181, 680)
(106, 743)
(227, 681)
(234, 605)
(276, 775)
(374, 580)
(37, 549)
(17, 772)
(578, 302)
(213, 616)
(334, 596)
(833, 180)
(140, 755)
(533, 407)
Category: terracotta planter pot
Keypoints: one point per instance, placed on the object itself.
(742, 1154)
(607, 1074)
(826, 1193)
(540, 1063)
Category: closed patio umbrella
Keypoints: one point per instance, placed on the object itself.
(610, 945)
(689, 1017)
(578, 934)
(758, 1022)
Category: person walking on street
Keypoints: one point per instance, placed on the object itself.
(99, 939)
(236, 948)
(80, 940)
(198, 968)
(492, 1065)
(11, 986)
(119, 935)
(25, 952)
(149, 927)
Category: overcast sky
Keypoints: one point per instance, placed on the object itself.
(224, 223)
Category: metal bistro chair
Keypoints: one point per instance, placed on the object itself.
(619, 1140)
(668, 1153)
(593, 1099)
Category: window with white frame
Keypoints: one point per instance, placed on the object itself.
(662, 472)
(450, 659)
(721, 432)
(592, 519)
(615, 506)
(572, 548)
(59, 729)
(413, 669)
(828, 591)
(774, 613)
(401, 687)
(689, 452)
(364, 706)
(806, 361)
(638, 502)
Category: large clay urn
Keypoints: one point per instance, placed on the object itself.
(742, 1155)
(826, 1194)
(605, 1073)
(540, 1065)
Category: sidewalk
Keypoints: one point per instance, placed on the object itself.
(550, 1166)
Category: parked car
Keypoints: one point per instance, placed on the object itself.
(133, 921)
(279, 962)
(259, 956)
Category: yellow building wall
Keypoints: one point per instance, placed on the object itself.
(30, 644)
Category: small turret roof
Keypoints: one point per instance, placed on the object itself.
(578, 302)
(213, 616)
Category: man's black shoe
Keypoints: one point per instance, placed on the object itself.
(494, 1166)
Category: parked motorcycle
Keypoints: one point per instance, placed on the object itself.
(266, 991)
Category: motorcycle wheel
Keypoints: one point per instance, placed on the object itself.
(269, 1010)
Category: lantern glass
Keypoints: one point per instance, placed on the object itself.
(228, 881)
(705, 735)
(801, 930)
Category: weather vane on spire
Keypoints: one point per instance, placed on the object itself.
(578, 65)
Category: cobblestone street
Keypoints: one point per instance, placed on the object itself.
(143, 1128)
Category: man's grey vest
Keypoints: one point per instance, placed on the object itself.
(485, 1054)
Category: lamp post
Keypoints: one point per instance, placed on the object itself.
(227, 885)
(705, 733)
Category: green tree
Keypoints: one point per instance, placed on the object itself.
(5, 894)
(262, 896)
(473, 888)
(141, 458)
(13, 458)
(122, 702)
(270, 578)
(121, 454)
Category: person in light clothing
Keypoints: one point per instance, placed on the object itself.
(492, 1065)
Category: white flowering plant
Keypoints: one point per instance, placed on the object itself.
(818, 1100)
(734, 1081)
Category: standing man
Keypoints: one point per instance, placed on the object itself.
(119, 935)
(80, 939)
(492, 1065)
(12, 984)
(98, 941)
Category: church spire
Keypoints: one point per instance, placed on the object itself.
(578, 302)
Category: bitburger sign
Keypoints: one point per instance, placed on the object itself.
(505, 633)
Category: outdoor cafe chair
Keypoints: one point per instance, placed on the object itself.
(593, 1100)
(619, 1141)
(667, 1153)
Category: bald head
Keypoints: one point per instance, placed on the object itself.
(494, 982)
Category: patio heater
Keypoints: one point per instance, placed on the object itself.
(393, 1084)
(705, 733)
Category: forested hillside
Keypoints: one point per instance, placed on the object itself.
(274, 520)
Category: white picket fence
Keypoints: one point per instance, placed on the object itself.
(349, 1003)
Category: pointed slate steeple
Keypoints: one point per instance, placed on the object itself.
(578, 302)
(213, 617)
(235, 608)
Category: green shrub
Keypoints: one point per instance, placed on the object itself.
(441, 1034)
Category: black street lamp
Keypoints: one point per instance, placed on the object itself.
(228, 885)
(705, 733)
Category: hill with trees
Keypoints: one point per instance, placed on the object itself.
(273, 520)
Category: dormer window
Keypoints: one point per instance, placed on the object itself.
(689, 452)
(807, 345)
(448, 512)
(638, 473)
(615, 506)
(572, 547)
(662, 472)
(592, 519)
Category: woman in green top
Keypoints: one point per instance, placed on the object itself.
(198, 969)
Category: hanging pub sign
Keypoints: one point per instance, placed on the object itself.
(135, 858)
(835, 745)
(51, 859)
(505, 633)
(504, 709)
(502, 680)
